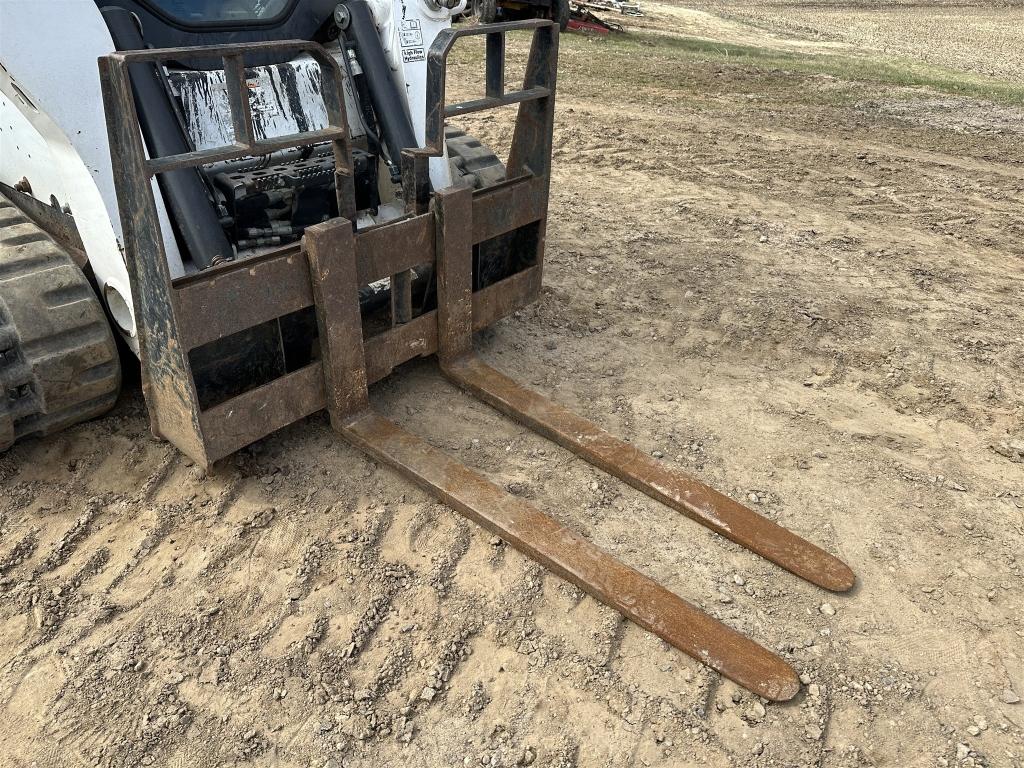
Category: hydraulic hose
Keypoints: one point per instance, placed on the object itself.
(388, 102)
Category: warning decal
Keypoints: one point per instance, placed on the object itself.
(411, 34)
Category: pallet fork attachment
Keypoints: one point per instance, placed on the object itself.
(180, 315)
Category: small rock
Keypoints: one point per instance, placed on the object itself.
(763, 239)
(1011, 449)
(527, 757)
(1009, 697)
(738, 580)
(813, 732)
(428, 693)
(827, 609)
(974, 730)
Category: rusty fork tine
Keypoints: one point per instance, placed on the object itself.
(705, 505)
(685, 494)
(571, 556)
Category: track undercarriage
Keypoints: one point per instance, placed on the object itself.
(445, 229)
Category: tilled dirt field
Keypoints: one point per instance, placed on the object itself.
(977, 36)
(802, 288)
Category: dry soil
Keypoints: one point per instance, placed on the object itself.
(784, 256)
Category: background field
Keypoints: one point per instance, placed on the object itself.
(786, 253)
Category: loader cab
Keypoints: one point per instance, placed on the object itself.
(206, 12)
(179, 23)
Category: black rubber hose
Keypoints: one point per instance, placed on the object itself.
(191, 209)
(387, 100)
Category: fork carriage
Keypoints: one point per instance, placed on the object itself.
(444, 229)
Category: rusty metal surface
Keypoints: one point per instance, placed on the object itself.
(503, 298)
(389, 248)
(238, 100)
(244, 419)
(571, 556)
(418, 338)
(685, 494)
(233, 61)
(455, 215)
(530, 153)
(239, 295)
(327, 273)
(490, 102)
(332, 267)
(167, 381)
(544, 45)
(453, 209)
(386, 351)
(507, 206)
(537, 535)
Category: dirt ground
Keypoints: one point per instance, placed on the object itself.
(777, 260)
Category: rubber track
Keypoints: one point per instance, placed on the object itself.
(58, 360)
(473, 163)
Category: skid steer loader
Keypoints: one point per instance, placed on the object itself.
(264, 199)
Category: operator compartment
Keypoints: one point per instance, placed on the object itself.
(270, 200)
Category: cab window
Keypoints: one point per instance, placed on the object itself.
(199, 12)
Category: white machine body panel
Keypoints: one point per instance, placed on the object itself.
(50, 101)
(407, 30)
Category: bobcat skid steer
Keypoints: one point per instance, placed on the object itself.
(262, 199)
